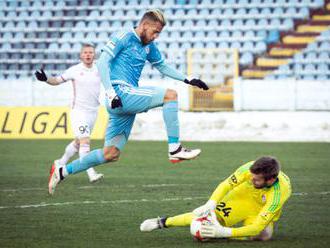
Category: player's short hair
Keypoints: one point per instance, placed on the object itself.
(155, 15)
(268, 166)
(83, 45)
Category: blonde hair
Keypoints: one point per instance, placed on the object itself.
(155, 15)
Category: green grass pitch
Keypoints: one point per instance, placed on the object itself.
(143, 184)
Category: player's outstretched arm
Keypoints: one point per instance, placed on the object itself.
(167, 70)
(41, 76)
(198, 83)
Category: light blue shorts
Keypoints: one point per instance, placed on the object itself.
(135, 100)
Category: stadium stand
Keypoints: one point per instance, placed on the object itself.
(268, 34)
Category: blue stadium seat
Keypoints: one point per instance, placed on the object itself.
(241, 12)
(201, 23)
(262, 23)
(324, 56)
(53, 46)
(276, 22)
(91, 37)
(250, 34)
(9, 26)
(288, 24)
(238, 24)
(228, 13)
(187, 35)
(210, 44)
(214, 23)
(41, 46)
(250, 24)
(311, 56)
(216, 12)
(19, 36)
(260, 47)
(212, 34)
(23, 15)
(65, 47)
(32, 35)
(204, 13)
(223, 44)
(7, 36)
(246, 58)
(266, 12)
(237, 34)
(253, 11)
(103, 36)
(248, 46)
(235, 45)
(278, 11)
(32, 25)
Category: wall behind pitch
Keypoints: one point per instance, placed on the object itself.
(281, 95)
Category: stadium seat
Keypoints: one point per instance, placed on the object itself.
(246, 58)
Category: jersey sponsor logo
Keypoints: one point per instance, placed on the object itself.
(263, 198)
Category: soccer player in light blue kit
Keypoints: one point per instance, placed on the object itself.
(120, 66)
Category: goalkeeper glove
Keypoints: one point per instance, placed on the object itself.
(209, 206)
(41, 75)
(197, 82)
(215, 230)
(114, 100)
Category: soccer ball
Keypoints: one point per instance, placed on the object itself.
(196, 224)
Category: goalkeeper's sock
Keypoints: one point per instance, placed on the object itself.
(94, 158)
(171, 119)
(70, 150)
(179, 220)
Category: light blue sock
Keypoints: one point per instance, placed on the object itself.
(92, 159)
(170, 114)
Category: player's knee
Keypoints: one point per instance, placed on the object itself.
(111, 154)
(171, 95)
(84, 141)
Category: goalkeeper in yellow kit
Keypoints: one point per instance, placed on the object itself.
(253, 195)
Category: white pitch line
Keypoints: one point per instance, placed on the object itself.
(43, 204)
(103, 186)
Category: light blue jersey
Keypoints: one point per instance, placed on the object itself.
(129, 57)
(120, 66)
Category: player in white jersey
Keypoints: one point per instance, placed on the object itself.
(86, 90)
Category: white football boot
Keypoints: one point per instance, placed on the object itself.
(153, 224)
(93, 175)
(182, 154)
(54, 176)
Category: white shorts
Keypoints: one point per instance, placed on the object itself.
(82, 122)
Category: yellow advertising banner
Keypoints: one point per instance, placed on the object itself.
(43, 123)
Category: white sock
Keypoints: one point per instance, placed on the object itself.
(83, 150)
(70, 150)
(172, 147)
